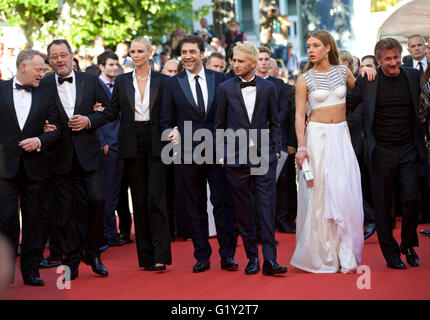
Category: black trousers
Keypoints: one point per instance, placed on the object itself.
(30, 195)
(369, 212)
(182, 218)
(195, 178)
(123, 209)
(286, 195)
(391, 165)
(147, 177)
(79, 190)
(241, 186)
(50, 228)
(112, 172)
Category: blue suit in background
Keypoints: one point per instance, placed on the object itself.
(112, 167)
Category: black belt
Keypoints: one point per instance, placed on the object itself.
(143, 123)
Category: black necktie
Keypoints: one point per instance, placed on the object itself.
(61, 80)
(200, 101)
(21, 87)
(252, 83)
(421, 68)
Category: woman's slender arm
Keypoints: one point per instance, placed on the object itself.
(301, 100)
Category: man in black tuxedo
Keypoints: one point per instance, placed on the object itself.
(395, 142)
(189, 100)
(25, 107)
(247, 106)
(76, 157)
(285, 218)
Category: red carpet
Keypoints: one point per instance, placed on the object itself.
(127, 281)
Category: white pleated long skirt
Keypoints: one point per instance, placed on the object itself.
(329, 231)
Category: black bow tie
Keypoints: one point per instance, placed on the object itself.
(252, 83)
(109, 85)
(21, 87)
(61, 80)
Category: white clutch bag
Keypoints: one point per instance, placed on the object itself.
(307, 173)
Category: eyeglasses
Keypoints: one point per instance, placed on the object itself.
(62, 56)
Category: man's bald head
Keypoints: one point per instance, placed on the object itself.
(170, 67)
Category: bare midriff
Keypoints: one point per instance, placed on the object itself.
(329, 114)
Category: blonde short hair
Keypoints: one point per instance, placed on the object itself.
(145, 41)
(248, 48)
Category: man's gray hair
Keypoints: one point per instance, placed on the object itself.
(27, 55)
(416, 35)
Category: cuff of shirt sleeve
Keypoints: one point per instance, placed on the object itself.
(39, 148)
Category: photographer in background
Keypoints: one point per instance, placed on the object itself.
(274, 32)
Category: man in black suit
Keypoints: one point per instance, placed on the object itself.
(247, 106)
(395, 142)
(188, 104)
(285, 218)
(25, 107)
(76, 157)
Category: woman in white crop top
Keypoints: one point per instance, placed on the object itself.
(329, 232)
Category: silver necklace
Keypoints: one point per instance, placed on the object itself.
(140, 78)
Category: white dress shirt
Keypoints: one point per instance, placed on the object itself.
(141, 108)
(22, 103)
(249, 95)
(203, 86)
(423, 61)
(67, 94)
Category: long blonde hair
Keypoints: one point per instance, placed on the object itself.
(327, 39)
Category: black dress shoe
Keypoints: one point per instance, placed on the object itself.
(33, 280)
(97, 265)
(74, 271)
(125, 238)
(202, 265)
(271, 267)
(411, 257)
(253, 266)
(116, 242)
(229, 264)
(45, 264)
(425, 232)
(396, 264)
(149, 268)
(369, 230)
(160, 267)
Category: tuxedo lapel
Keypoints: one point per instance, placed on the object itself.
(210, 82)
(8, 96)
(35, 103)
(153, 90)
(257, 97)
(242, 102)
(130, 91)
(79, 92)
(185, 86)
